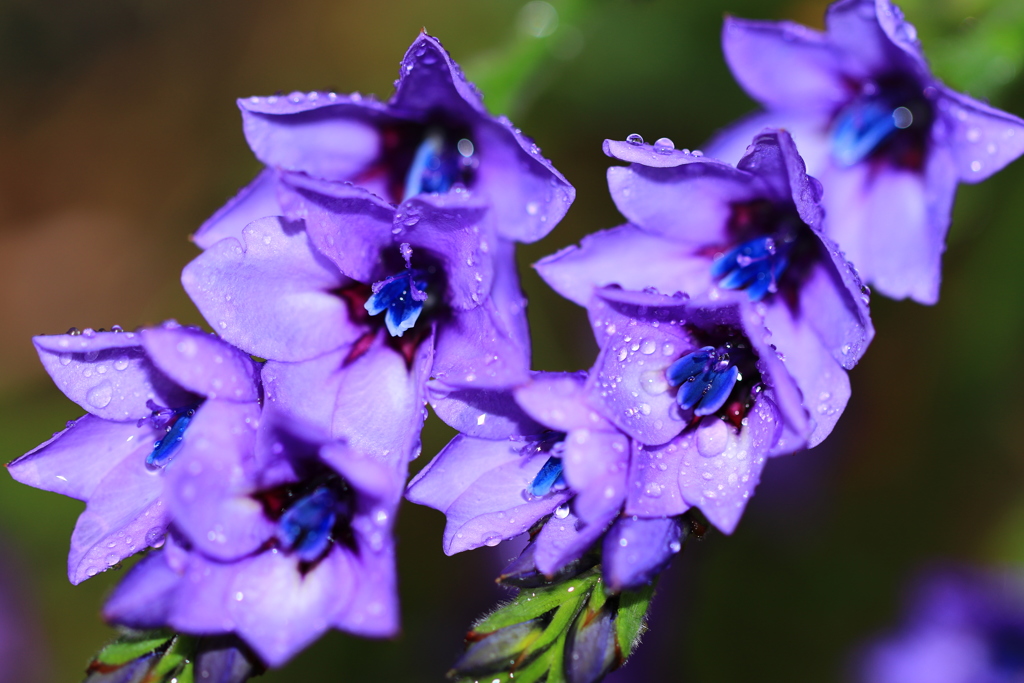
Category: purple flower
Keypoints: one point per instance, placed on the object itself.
(277, 537)
(433, 136)
(722, 234)
(705, 396)
(555, 460)
(963, 626)
(153, 397)
(888, 141)
(360, 305)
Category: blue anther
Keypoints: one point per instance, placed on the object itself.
(862, 126)
(402, 296)
(164, 449)
(705, 379)
(435, 167)
(305, 528)
(690, 365)
(549, 478)
(756, 266)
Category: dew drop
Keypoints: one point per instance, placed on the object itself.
(99, 396)
(664, 145)
(635, 139)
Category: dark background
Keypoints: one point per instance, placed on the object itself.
(119, 135)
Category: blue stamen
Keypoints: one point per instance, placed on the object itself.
(305, 528)
(755, 265)
(402, 296)
(863, 125)
(705, 379)
(689, 365)
(436, 165)
(549, 478)
(164, 449)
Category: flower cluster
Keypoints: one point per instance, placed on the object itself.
(264, 464)
(370, 269)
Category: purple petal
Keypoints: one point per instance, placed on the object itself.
(653, 489)
(558, 401)
(810, 128)
(108, 374)
(76, 459)
(256, 200)
(892, 223)
(561, 541)
(283, 610)
(373, 610)
(348, 224)
(784, 65)
(210, 481)
(429, 80)
(823, 382)
(375, 481)
(528, 195)
(649, 155)
(506, 294)
(374, 402)
(146, 596)
(653, 198)
(481, 485)
(475, 350)
(323, 135)
(483, 413)
(637, 550)
(596, 466)
(629, 382)
(872, 38)
(202, 363)
(452, 228)
(271, 297)
(773, 158)
(124, 515)
(721, 467)
(983, 139)
(204, 595)
(624, 256)
(835, 304)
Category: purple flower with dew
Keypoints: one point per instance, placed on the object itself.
(548, 459)
(703, 393)
(722, 234)
(433, 136)
(383, 304)
(962, 626)
(152, 396)
(277, 537)
(887, 139)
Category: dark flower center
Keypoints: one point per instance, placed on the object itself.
(550, 478)
(415, 158)
(1006, 648)
(891, 119)
(174, 422)
(404, 296)
(717, 378)
(771, 245)
(441, 160)
(311, 516)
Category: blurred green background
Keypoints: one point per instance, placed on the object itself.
(119, 135)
